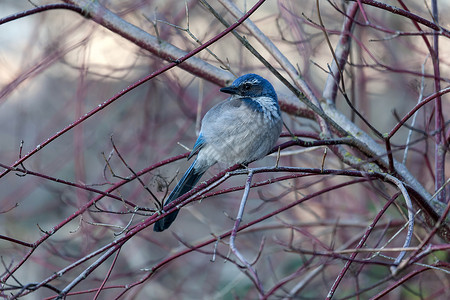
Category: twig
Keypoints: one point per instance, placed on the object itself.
(234, 231)
(422, 87)
(360, 244)
(224, 66)
(107, 275)
(83, 275)
(410, 231)
(133, 172)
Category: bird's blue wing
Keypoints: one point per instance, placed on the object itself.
(198, 145)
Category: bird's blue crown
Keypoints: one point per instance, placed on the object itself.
(252, 85)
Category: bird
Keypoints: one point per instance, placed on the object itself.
(238, 130)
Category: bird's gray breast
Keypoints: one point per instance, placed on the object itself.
(234, 132)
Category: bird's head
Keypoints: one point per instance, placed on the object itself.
(251, 85)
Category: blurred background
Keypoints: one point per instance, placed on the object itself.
(56, 66)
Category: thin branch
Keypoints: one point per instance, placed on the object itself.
(234, 231)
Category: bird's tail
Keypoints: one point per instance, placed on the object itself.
(189, 180)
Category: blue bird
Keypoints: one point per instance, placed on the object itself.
(239, 130)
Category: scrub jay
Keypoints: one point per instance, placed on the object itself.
(239, 130)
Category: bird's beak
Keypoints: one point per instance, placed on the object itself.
(229, 90)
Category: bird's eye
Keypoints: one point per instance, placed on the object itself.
(247, 86)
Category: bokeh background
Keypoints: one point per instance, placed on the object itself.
(55, 66)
